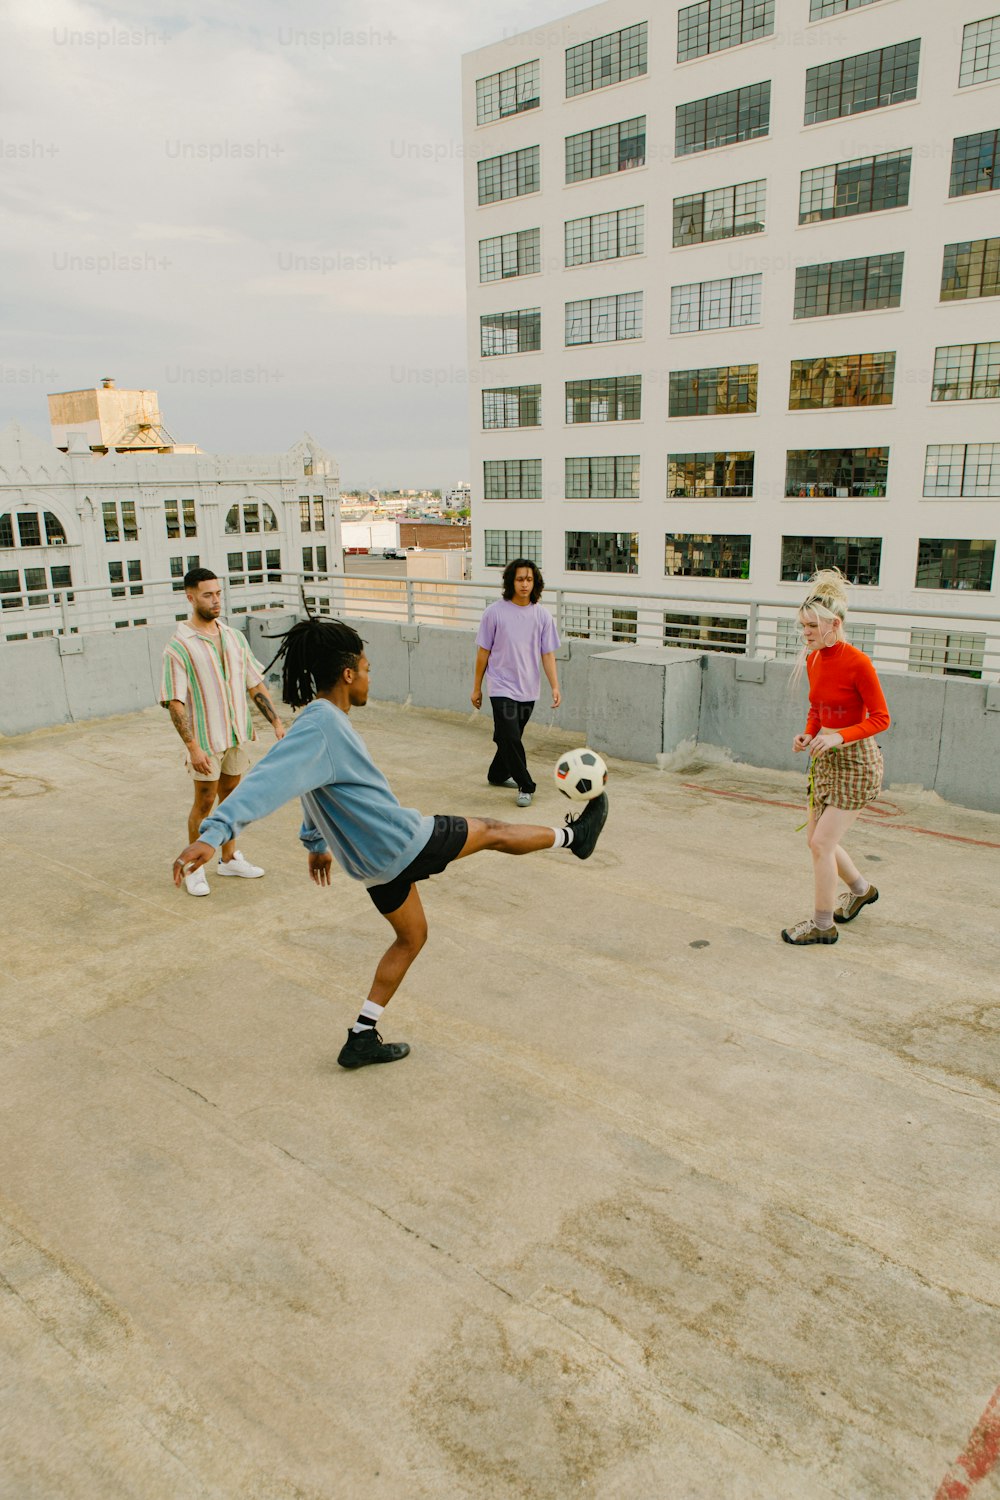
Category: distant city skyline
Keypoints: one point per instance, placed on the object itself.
(283, 255)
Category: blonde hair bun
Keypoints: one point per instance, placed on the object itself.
(828, 590)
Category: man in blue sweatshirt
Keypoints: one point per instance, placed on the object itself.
(351, 814)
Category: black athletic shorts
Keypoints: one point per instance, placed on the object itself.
(446, 843)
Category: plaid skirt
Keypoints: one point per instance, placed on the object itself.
(848, 777)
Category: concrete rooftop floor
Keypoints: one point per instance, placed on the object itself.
(657, 1207)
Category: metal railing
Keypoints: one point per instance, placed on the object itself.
(927, 641)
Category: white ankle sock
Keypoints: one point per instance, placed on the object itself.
(564, 837)
(369, 1016)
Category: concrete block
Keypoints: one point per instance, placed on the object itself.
(115, 674)
(389, 658)
(754, 721)
(32, 690)
(910, 745)
(441, 666)
(643, 701)
(969, 747)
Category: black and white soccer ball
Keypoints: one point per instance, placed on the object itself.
(581, 774)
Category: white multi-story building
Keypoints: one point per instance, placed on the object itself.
(100, 525)
(733, 280)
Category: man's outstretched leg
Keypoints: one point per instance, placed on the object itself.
(364, 1045)
(580, 834)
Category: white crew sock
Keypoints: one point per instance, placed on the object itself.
(564, 837)
(369, 1016)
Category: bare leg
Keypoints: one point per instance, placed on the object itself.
(226, 785)
(846, 868)
(410, 926)
(825, 835)
(205, 793)
(506, 838)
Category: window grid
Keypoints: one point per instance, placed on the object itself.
(614, 398)
(971, 268)
(179, 515)
(721, 214)
(842, 380)
(512, 406)
(706, 632)
(742, 114)
(820, 9)
(968, 469)
(602, 552)
(947, 653)
(512, 479)
(29, 529)
(859, 558)
(869, 80)
(690, 555)
(966, 372)
(974, 164)
(253, 516)
(600, 622)
(713, 390)
(612, 476)
(510, 332)
(836, 473)
(846, 286)
(709, 476)
(607, 59)
(178, 569)
(867, 185)
(980, 52)
(714, 25)
(607, 236)
(509, 92)
(502, 547)
(609, 148)
(733, 302)
(949, 563)
(509, 176)
(604, 320)
(505, 255)
(120, 522)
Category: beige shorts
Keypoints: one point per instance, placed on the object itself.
(232, 762)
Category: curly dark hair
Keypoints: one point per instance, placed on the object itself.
(313, 654)
(510, 573)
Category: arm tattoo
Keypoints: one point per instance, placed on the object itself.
(264, 703)
(180, 717)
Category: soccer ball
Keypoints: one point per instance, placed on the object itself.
(581, 774)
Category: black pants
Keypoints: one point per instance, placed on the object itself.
(509, 719)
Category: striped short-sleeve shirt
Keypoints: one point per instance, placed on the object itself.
(212, 673)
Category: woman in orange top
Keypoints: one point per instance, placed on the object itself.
(846, 710)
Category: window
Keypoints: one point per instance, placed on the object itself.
(688, 556)
(29, 529)
(252, 568)
(602, 552)
(721, 214)
(869, 80)
(969, 469)
(971, 269)
(709, 476)
(966, 372)
(510, 332)
(706, 632)
(180, 513)
(615, 398)
(34, 584)
(251, 516)
(610, 148)
(506, 255)
(10, 589)
(62, 578)
(722, 119)
(842, 380)
(178, 569)
(847, 286)
(713, 25)
(951, 564)
(503, 547)
(858, 557)
(733, 302)
(974, 161)
(308, 554)
(713, 390)
(508, 176)
(605, 236)
(955, 653)
(512, 479)
(234, 563)
(601, 622)
(512, 406)
(607, 59)
(836, 473)
(604, 320)
(120, 524)
(980, 52)
(866, 185)
(134, 567)
(116, 574)
(612, 476)
(507, 93)
(311, 516)
(818, 9)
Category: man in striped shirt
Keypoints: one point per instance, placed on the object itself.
(209, 672)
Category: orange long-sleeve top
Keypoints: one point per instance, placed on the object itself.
(845, 693)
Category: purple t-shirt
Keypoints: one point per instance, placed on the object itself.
(517, 636)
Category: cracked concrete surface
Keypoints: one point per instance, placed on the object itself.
(657, 1207)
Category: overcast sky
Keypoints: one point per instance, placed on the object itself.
(254, 207)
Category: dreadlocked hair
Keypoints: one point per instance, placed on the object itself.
(313, 654)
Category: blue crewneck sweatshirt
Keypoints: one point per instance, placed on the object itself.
(348, 806)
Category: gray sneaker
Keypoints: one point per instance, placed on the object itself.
(849, 905)
(524, 799)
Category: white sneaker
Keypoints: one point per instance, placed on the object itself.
(524, 799)
(240, 866)
(196, 884)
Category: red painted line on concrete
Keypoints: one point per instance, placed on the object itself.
(979, 1456)
(874, 811)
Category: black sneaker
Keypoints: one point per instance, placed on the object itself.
(364, 1047)
(587, 826)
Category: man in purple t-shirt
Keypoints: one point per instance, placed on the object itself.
(515, 635)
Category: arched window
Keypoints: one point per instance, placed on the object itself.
(30, 529)
(232, 520)
(55, 534)
(269, 518)
(252, 516)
